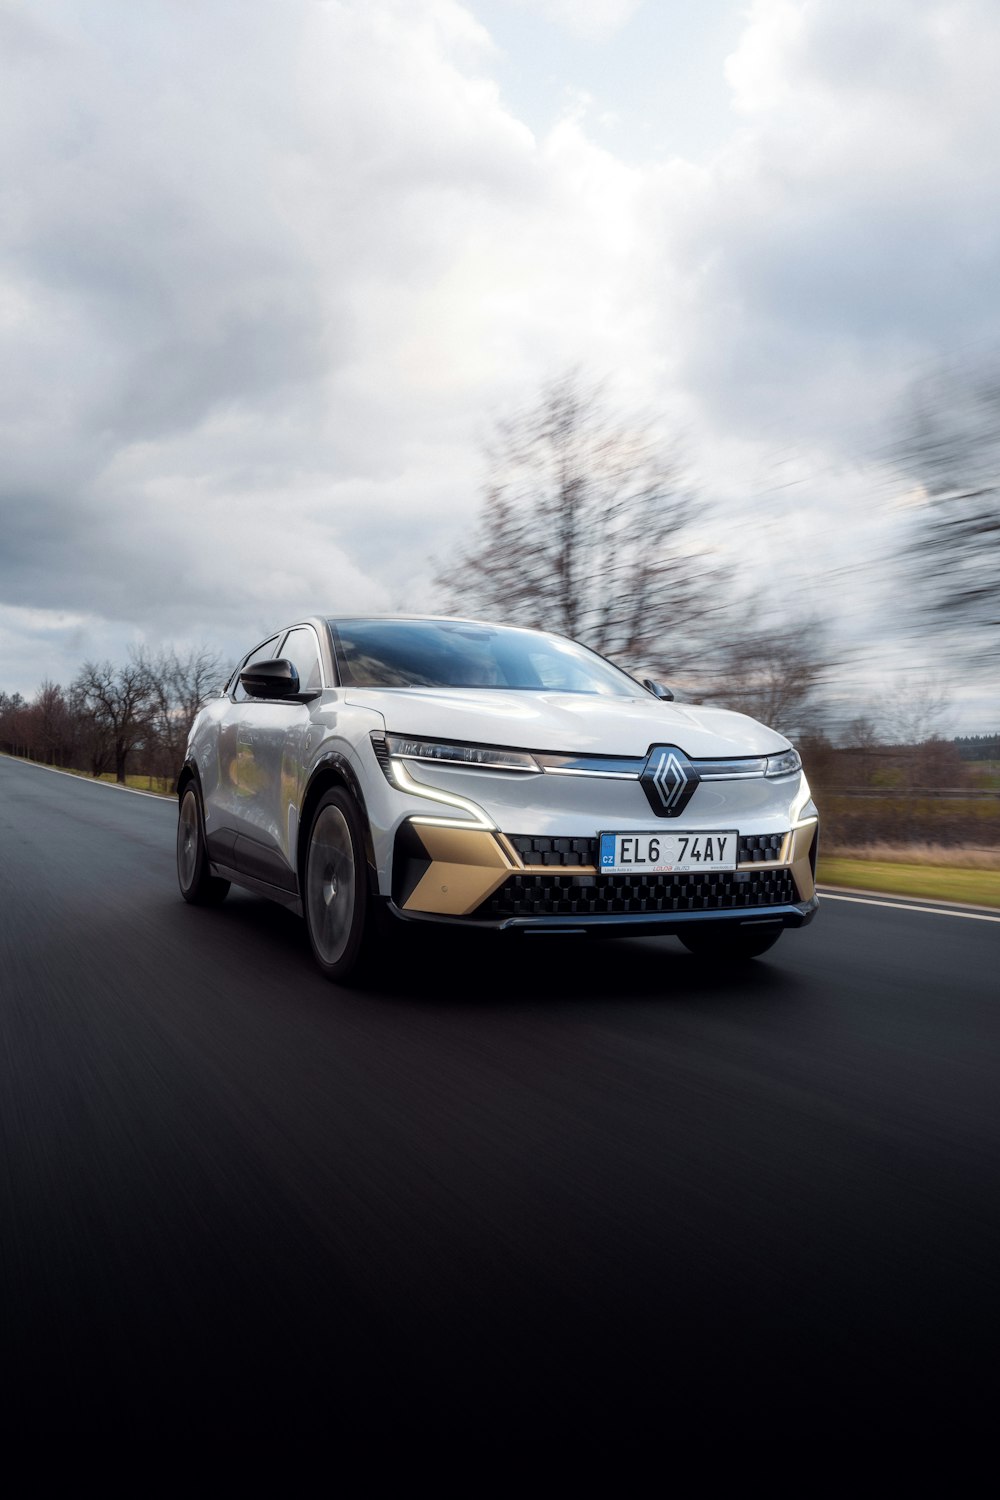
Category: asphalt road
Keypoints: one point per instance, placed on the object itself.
(540, 1181)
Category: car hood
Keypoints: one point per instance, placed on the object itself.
(567, 723)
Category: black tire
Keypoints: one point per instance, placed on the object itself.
(729, 943)
(198, 885)
(342, 916)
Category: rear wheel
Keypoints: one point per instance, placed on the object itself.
(728, 942)
(198, 884)
(341, 915)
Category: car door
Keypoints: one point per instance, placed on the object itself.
(272, 737)
(224, 776)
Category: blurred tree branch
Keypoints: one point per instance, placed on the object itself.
(587, 529)
(773, 674)
(952, 450)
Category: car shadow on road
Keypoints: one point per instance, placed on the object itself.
(506, 968)
(442, 966)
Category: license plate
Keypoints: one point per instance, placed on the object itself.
(667, 853)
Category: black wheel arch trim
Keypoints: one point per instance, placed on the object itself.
(188, 772)
(334, 767)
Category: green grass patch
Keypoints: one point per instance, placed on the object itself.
(161, 785)
(932, 882)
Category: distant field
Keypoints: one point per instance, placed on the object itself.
(979, 805)
(970, 821)
(985, 774)
(977, 887)
(949, 856)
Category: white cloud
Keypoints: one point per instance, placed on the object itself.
(848, 231)
(593, 20)
(266, 271)
(261, 283)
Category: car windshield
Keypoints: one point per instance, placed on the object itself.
(461, 654)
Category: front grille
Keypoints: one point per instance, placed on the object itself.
(543, 851)
(754, 848)
(614, 895)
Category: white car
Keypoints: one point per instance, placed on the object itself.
(449, 771)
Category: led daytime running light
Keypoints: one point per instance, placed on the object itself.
(803, 810)
(476, 818)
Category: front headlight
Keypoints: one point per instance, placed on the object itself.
(395, 770)
(486, 757)
(785, 764)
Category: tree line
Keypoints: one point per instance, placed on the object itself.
(135, 718)
(978, 746)
(128, 718)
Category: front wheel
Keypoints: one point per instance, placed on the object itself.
(198, 884)
(340, 913)
(729, 942)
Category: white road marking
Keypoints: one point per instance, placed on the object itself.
(932, 911)
(112, 786)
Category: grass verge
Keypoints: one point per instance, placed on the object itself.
(932, 882)
(159, 786)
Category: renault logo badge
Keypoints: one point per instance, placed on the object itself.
(669, 780)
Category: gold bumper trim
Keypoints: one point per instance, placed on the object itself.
(469, 864)
(798, 858)
(794, 855)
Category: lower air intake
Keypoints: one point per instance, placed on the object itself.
(614, 895)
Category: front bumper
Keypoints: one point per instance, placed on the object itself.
(478, 878)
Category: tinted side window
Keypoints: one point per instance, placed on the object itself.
(300, 648)
(262, 653)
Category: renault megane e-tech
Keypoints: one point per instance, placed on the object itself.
(452, 772)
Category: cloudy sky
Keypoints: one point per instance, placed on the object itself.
(269, 269)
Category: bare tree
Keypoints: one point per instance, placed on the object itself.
(15, 727)
(914, 711)
(587, 529)
(952, 450)
(776, 675)
(55, 724)
(179, 685)
(117, 702)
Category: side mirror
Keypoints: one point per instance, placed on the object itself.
(658, 689)
(270, 679)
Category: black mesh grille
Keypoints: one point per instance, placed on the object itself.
(542, 851)
(755, 847)
(610, 895)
